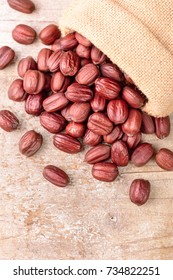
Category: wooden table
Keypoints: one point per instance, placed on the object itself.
(88, 219)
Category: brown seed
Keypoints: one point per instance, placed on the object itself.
(163, 127)
(139, 191)
(107, 88)
(100, 124)
(56, 45)
(97, 56)
(25, 64)
(82, 40)
(24, 6)
(132, 141)
(91, 138)
(42, 59)
(116, 134)
(98, 103)
(34, 104)
(83, 51)
(69, 63)
(49, 34)
(55, 176)
(59, 82)
(119, 153)
(6, 56)
(112, 71)
(16, 91)
(164, 159)
(54, 61)
(68, 42)
(30, 143)
(142, 154)
(55, 102)
(117, 111)
(79, 111)
(133, 123)
(133, 97)
(34, 81)
(79, 93)
(47, 87)
(8, 121)
(148, 126)
(97, 154)
(105, 171)
(85, 61)
(24, 34)
(67, 143)
(75, 130)
(87, 74)
(66, 113)
(52, 122)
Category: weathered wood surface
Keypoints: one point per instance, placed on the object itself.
(88, 219)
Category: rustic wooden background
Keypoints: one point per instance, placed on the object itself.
(88, 219)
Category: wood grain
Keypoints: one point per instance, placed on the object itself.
(88, 219)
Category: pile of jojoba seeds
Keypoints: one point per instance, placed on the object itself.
(83, 99)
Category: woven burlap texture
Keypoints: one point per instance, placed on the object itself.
(137, 36)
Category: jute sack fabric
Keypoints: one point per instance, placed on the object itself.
(135, 35)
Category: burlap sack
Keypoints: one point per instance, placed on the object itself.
(137, 36)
